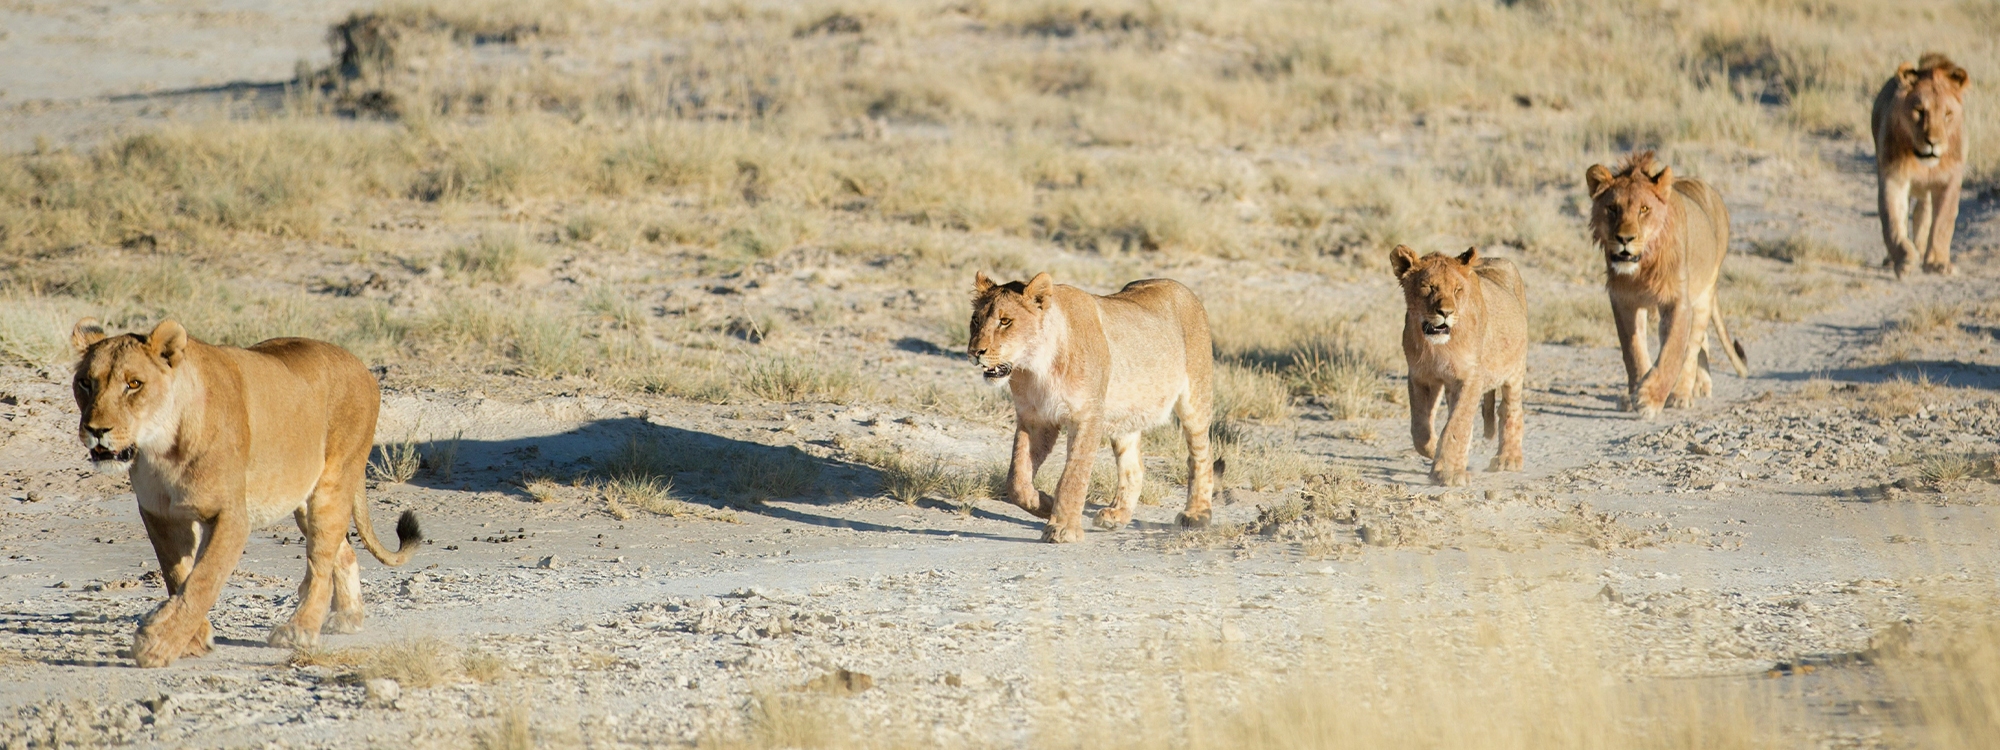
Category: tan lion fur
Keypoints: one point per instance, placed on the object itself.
(219, 441)
(1465, 337)
(1663, 242)
(1094, 366)
(1919, 128)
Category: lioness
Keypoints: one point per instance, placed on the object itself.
(1091, 366)
(1919, 129)
(1663, 242)
(1465, 337)
(220, 440)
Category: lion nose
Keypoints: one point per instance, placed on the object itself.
(1626, 239)
(97, 432)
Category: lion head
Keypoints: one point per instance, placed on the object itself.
(1630, 213)
(1929, 111)
(1007, 322)
(1435, 288)
(125, 390)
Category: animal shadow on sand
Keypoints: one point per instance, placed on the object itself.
(704, 469)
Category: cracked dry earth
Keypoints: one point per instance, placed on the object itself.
(1787, 521)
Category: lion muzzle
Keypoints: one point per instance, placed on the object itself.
(1437, 328)
(997, 372)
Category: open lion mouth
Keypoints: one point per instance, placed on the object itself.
(101, 453)
(1437, 329)
(998, 371)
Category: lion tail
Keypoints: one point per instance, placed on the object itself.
(1486, 409)
(1730, 347)
(408, 535)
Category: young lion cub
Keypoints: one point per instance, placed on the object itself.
(1093, 366)
(1465, 336)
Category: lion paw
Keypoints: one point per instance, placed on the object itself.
(1112, 519)
(291, 635)
(1505, 463)
(1062, 533)
(1941, 269)
(1427, 450)
(1193, 519)
(1449, 477)
(345, 622)
(158, 646)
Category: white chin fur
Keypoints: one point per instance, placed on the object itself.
(111, 467)
(1624, 267)
(1437, 339)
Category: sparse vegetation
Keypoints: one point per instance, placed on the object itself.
(396, 461)
(1802, 249)
(911, 478)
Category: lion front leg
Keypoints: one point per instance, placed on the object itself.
(1937, 252)
(1512, 418)
(1893, 205)
(1032, 443)
(1630, 320)
(1449, 467)
(180, 627)
(1066, 519)
(1423, 416)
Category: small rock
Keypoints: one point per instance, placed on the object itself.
(551, 562)
(161, 708)
(1610, 594)
(382, 692)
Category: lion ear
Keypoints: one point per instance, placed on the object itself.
(1402, 259)
(1907, 72)
(1664, 181)
(981, 284)
(1598, 177)
(87, 331)
(168, 341)
(1039, 289)
(1958, 76)
(1470, 256)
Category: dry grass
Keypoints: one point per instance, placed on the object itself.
(796, 379)
(395, 461)
(497, 258)
(1799, 249)
(1898, 397)
(1581, 320)
(415, 663)
(910, 478)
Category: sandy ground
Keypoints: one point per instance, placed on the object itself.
(1774, 524)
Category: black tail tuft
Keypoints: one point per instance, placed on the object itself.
(408, 534)
(1739, 352)
(1221, 466)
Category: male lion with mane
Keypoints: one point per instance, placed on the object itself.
(1919, 129)
(1465, 337)
(220, 440)
(1093, 366)
(1663, 242)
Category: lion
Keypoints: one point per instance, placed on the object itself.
(1919, 130)
(1663, 242)
(1093, 366)
(1465, 337)
(218, 441)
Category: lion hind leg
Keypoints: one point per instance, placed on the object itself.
(347, 609)
(324, 521)
(1196, 415)
(1486, 412)
(1131, 478)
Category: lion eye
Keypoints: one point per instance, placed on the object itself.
(1004, 322)
(1644, 210)
(133, 385)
